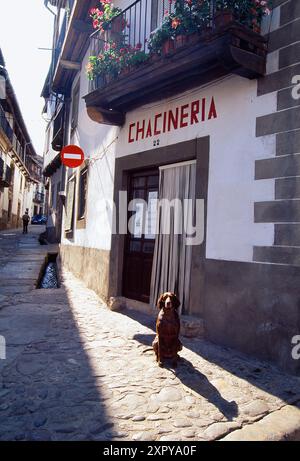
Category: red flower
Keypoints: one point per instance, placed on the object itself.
(175, 23)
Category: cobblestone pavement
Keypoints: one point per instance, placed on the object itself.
(77, 371)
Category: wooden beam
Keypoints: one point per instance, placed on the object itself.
(81, 26)
(106, 117)
(71, 65)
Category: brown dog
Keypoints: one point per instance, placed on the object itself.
(166, 343)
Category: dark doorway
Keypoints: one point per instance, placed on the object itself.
(139, 245)
(19, 218)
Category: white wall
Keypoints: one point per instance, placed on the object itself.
(28, 198)
(232, 190)
(49, 153)
(55, 179)
(98, 142)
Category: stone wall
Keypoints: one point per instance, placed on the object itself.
(90, 265)
(284, 168)
(254, 308)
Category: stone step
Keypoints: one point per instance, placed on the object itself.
(282, 425)
(191, 327)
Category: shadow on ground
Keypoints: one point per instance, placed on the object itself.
(48, 387)
(258, 373)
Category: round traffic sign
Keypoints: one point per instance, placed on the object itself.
(72, 156)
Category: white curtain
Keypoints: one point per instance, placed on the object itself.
(171, 267)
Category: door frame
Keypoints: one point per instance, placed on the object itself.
(196, 149)
(131, 174)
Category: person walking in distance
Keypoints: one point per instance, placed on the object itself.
(25, 219)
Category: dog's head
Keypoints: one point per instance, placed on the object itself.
(168, 301)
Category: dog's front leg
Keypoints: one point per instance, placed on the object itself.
(160, 364)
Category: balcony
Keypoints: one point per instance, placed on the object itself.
(39, 197)
(68, 5)
(223, 43)
(58, 129)
(1, 167)
(5, 174)
(5, 126)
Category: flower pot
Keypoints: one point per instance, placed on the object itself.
(180, 40)
(154, 57)
(126, 70)
(168, 46)
(223, 18)
(193, 38)
(109, 77)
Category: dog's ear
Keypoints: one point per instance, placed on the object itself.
(161, 301)
(175, 301)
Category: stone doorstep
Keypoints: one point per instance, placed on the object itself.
(191, 327)
(281, 425)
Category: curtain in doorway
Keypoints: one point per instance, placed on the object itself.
(171, 269)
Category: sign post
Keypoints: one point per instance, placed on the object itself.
(72, 156)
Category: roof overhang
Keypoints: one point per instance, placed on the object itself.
(75, 46)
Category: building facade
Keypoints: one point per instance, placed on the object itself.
(20, 166)
(213, 121)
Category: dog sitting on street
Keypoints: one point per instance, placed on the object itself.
(166, 344)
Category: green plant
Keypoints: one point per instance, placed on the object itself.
(114, 58)
(185, 18)
(157, 39)
(104, 15)
(248, 12)
(106, 63)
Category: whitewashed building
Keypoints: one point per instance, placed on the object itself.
(20, 166)
(216, 120)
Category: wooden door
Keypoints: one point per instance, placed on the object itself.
(139, 245)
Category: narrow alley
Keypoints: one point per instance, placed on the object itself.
(74, 370)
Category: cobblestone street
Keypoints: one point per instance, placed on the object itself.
(77, 371)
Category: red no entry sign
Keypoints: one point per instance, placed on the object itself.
(72, 156)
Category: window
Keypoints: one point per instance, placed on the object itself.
(82, 191)
(158, 9)
(57, 195)
(75, 107)
(70, 205)
(53, 197)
